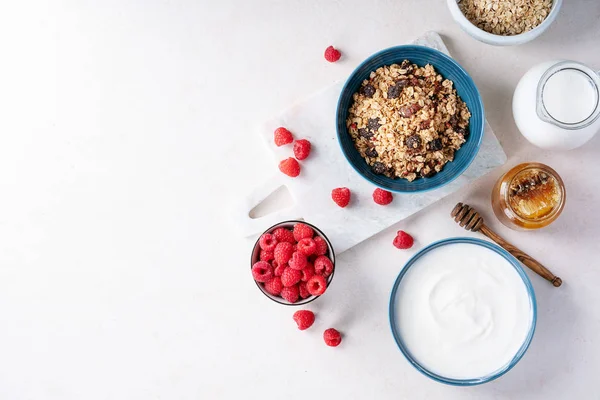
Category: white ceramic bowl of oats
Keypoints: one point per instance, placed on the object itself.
(504, 22)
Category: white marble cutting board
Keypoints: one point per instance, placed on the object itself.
(326, 168)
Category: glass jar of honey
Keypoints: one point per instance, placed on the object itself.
(529, 196)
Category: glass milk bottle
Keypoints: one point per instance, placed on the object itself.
(556, 105)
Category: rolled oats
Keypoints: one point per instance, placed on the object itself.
(411, 124)
(506, 17)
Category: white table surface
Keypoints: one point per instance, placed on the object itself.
(127, 126)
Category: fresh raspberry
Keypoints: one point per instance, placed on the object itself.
(278, 270)
(321, 246)
(290, 167)
(332, 337)
(307, 272)
(316, 285)
(301, 149)
(266, 255)
(290, 294)
(332, 54)
(283, 252)
(323, 266)
(283, 136)
(307, 247)
(303, 291)
(304, 319)
(341, 196)
(290, 276)
(262, 271)
(382, 197)
(302, 231)
(403, 240)
(284, 235)
(298, 261)
(267, 242)
(274, 286)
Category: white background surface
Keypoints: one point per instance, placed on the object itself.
(126, 126)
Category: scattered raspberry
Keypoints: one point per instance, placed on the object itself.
(274, 286)
(323, 266)
(266, 255)
(403, 240)
(290, 276)
(302, 231)
(298, 261)
(262, 271)
(278, 271)
(304, 319)
(307, 247)
(307, 272)
(283, 136)
(332, 337)
(316, 285)
(301, 149)
(321, 246)
(267, 242)
(290, 167)
(341, 196)
(290, 293)
(303, 291)
(382, 197)
(284, 235)
(332, 54)
(283, 252)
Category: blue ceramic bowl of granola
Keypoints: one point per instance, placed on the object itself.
(466, 90)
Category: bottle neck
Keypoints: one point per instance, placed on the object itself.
(554, 83)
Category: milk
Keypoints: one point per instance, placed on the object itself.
(570, 96)
(563, 115)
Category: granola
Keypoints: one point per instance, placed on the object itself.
(506, 17)
(407, 121)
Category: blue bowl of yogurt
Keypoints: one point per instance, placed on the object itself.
(463, 311)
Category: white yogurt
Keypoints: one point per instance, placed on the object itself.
(463, 311)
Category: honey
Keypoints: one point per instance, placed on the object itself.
(529, 196)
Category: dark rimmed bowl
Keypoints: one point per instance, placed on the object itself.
(449, 69)
(290, 225)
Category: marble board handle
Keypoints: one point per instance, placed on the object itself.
(249, 226)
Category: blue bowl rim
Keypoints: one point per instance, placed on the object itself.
(450, 60)
(522, 350)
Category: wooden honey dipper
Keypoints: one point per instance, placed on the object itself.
(468, 218)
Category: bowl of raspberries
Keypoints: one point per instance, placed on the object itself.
(292, 263)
